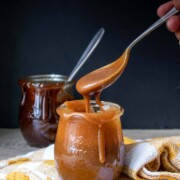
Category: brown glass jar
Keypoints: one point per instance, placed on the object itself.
(41, 95)
(89, 146)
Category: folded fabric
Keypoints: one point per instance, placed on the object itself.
(157, 158)
(36, 165)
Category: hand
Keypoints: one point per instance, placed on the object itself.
(173, 23)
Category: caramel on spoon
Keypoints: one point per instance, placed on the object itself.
(94, 82)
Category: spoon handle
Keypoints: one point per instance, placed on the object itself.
(170, 13)
(87, 52)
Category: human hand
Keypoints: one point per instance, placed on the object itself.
(173, 23)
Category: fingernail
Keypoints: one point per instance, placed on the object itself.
(168, 24)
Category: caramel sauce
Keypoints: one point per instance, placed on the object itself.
(101, 145)
(79, 153)
(98, 134)
(38, 119)
(96, 81)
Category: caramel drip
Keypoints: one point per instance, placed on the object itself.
(101, 145)
(87, 103)
(98, 101)
(95, 82)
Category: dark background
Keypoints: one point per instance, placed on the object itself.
(44, 37)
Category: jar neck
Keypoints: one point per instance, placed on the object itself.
(75, 111)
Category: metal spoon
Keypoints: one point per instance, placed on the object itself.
(96, 81)
(155, 25)
(87, 53)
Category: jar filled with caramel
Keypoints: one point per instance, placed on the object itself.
(89, 145)
(41, 95)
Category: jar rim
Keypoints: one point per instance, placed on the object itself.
(47, 78)
(68, 111)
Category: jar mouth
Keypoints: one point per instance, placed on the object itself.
(76, 110)
(47, 78)
(93, 104)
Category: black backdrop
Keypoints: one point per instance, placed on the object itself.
(42, 37)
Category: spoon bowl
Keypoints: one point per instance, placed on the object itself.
(102, 77)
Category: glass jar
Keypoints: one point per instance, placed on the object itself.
(89, 145)
(41, 95)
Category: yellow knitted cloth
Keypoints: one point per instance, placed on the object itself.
(157, 158)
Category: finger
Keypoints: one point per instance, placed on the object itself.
(176, 4)
(164, 8)
(177, 34)
(173, 24)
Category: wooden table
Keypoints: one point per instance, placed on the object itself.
(13, 144)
